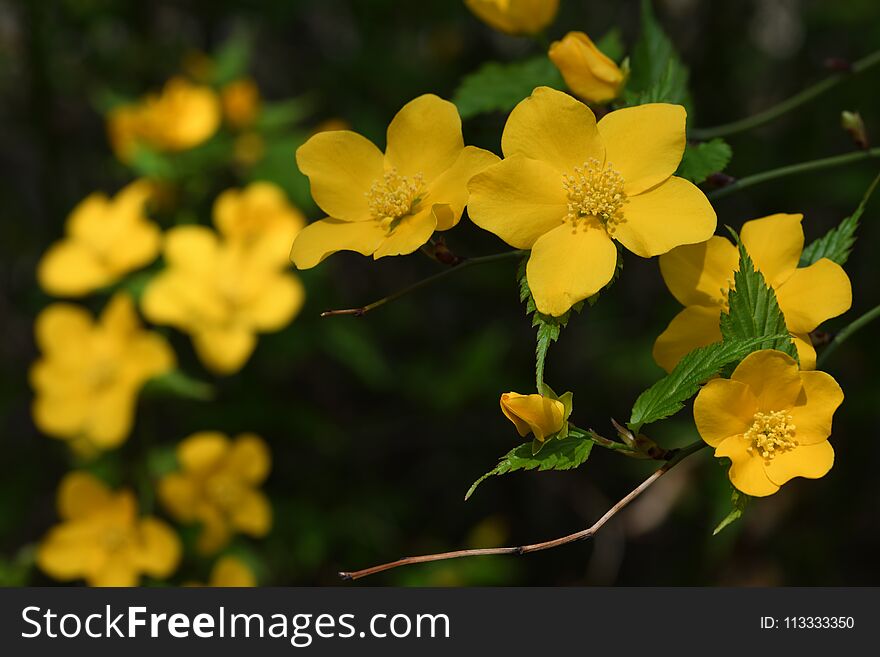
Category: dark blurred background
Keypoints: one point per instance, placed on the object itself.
(379, 425)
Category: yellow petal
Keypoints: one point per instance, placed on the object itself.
(773, 377)
(159, 548)
(809, 461)
(63, 327)
(81, 494)
(568, 265)
(644, 143)
(515, 16)
(424, 138)
(518, 200)
(229, 571)
(252, 514)
(249, 458)
(327, 236)
(278, 303)
(111, 416)
(148, 355)
(724, 408)
(699, 274)
(192, 248)
(587, 71)
(814, 409)
(451, 187)
(341, 165)
(669, 215)
(410, 233)
(135, 246)
(179, 495)
(813, 294)
(215, 533)
(68, 551)
(119, 317)
(746, 471)
(116, 571)
(201, 452)
(61, 415)
(805, 351)
(70, 269)
(533, 413)
(775, 244)
(224, 350)
(553, 127)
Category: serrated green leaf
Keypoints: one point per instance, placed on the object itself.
(753, 310)
(668, 395)
(177, 383)
(657, 72)
(837, 243)
(499, 87)
(563, 454)
(739, 501)
(702, 160)
(232, 59)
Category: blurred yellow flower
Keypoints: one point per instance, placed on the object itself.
(88, 378)
(182, 116)
(701, 275)
(589, 74)
(542, 416)
(248, 148)
(231, 571)
(106, 239)
(223, 292)
(103, 540)
(771, 420)
(515, 16)
(217, 487)
(241, 102)
(260, 218)
(568, 187)
(388, 204)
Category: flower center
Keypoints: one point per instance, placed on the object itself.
(595, 191)
(394, 196)
(113, 539)
(770, 434)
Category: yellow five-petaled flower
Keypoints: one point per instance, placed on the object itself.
(385, 205)
(103, 540)
(568, 187)
(771, 420)
(700, 276)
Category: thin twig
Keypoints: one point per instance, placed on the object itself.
(788, 104)
(792, 169)
(845, 333)
(675, 458)
(468, 262)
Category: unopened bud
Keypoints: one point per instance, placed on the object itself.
(852, 122)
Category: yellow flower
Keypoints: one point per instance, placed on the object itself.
(103, 540)
(230, 571)
(217, 487)
(106, 239)
(260, 218)
(590, 75)
(388, 204)
(241, 102)
(248, 148)
(223, 293)
(542, 416)
(701, 275)
(771, 420)
(515, 16)
(182, 116)
(90, 373)
(568, 187)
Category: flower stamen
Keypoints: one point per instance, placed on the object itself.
(394, 196)
(595, 191)
(770, 434)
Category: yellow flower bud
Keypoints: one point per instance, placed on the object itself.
(515, 16)
(533, 413)
(241, 102)
(590, 74)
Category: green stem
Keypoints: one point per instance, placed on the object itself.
(794, 169)
(851, 328)
(469, 262)
(787, 105)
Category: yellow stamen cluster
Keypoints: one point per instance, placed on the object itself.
(394, 196)
(770, 434)
(595, 191)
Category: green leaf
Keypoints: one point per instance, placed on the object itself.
(702, 160)
(611, 44)
(177, 383)
(657, 72)
(282, 114)
(232, 59)
(754, 311)
(499, 87)
(837, 243)
(739, 501)
(668, 395)
(563, 454)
